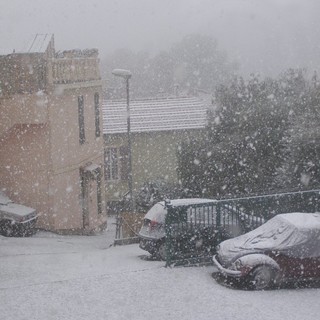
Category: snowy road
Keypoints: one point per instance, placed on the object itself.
(70, 277)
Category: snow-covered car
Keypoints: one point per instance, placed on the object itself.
(198, 232)
(15, 219)
(285, 248)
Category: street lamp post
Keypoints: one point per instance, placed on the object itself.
(126, 74)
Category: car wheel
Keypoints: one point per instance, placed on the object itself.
(261, 278)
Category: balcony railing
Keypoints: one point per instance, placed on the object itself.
(73, 70)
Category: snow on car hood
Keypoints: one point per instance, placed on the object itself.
(13, 211)
(294, 234)
(4, 199)
(17, 210)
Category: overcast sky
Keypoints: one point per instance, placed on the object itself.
(265, 36)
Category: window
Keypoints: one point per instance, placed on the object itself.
(99, 191)
(97, 114)
(82, 137)
(116, 163)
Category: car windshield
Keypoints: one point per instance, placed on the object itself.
(267, 234)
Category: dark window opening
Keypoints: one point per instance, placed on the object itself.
(82, 137)
(99, 190)
(97, 113)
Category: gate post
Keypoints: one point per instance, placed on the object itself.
(168, 232)
(218, 222)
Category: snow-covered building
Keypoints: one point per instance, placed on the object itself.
(158, 127)
(51, 139)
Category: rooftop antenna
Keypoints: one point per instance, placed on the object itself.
(33, 42)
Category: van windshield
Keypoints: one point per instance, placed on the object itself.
(157, 213)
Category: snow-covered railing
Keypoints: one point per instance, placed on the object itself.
(128, 225)
(193, 231)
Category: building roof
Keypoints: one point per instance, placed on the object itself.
(149, 115)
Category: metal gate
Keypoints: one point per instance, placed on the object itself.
(194, 230)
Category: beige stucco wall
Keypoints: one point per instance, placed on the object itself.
(64, 128)
(24, 163)
(154, 155)
(23, 73)
(40, 162)
(40, 152)
(23, 109)
(68, 155)
(66, 211)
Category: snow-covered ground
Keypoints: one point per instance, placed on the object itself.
(58, 277)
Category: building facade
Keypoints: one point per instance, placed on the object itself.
(51, 139)
(158, 128)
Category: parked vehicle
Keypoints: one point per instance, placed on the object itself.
(286, 248)
(15, 219)
(196, 229)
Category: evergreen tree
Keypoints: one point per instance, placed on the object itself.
(301, 169)
(195, 63)
(243, 145)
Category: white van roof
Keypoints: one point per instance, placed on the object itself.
(188, 201)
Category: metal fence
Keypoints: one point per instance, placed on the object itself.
(194, 230)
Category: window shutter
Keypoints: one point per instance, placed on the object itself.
(97, 113)
(107, 164)
(82, 137)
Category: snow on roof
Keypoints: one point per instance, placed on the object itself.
(160, 114)
(39, 43)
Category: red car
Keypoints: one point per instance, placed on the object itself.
(286, 248)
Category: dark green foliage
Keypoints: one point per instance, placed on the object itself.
(301, 170)
(158, 190)
(261, 138)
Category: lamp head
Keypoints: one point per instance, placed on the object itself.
(126, 74)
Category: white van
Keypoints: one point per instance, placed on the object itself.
(200, 223)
